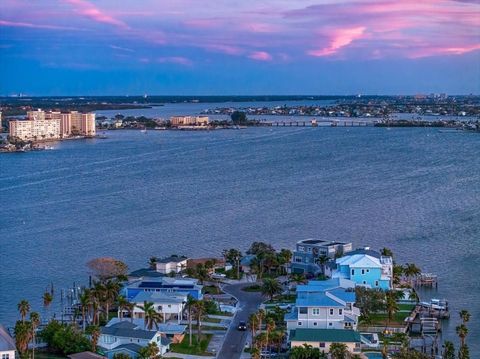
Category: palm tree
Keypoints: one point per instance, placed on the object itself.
(84, 301)
(270, 326)
(253, 325)
(153, 262)
(199, 311)
(47, 300)
(151, 351)
(338, 350)
(190, 304)
(95, 335)
(410, 271)
(413, 295)
(465, 316)
(448, 351)
(34, 323)
(397, 274)
(462, 332)
(23, 308)
(391, 304)
(322, 260)
(261, 316)
(150, 315)
(22, 336)
(386, 252)
(111, 293)
(271, 287)
(277, 338)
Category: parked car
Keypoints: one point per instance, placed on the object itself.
(242, 326)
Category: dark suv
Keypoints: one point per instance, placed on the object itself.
(242, 326)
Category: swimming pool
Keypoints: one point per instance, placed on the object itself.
(373, 355)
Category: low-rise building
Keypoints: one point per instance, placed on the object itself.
(366, 267)
(171, 264)
(173, 331)
(189, 121)
(170, 306)
(309, 254)
(326, 304)
(7, 344)
(324, 338)
(128, 338)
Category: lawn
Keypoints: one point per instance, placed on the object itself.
(288, 298)
(211, 320)
(252, 288)
(382, 318)
(197, 348)
(408, 307)
(211, 289)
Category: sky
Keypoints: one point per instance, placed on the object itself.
(243, 47)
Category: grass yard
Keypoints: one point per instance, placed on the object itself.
(197, 348)
(382, 318)
(211, 320)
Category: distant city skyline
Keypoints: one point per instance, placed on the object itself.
(187, 47)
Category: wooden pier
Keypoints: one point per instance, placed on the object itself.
(426, 280)
(316, 123)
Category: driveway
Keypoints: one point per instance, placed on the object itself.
(249, 302)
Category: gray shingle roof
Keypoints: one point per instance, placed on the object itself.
(6, 341)
(122, 330)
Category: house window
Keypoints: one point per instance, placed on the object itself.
(321, 345)
(5, 356)
(368, 270)
(314, 324)
(299, 324)
(353, 271)
(303, 310)
(316, 311)
(340, 312)
(298, 259)
(330, 324)
(376, 283)
(364, 282)
(331, 311)
(309, 249)
(363, 271)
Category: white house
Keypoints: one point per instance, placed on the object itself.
(7, 344)
(128, 338)
(171, 306)
(324, 305)
(171, 264)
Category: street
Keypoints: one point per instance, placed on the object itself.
(249, 302)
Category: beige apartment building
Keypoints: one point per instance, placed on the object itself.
(189, 120)
(53, 125)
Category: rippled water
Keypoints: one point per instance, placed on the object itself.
(135, 195)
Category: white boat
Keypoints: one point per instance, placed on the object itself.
(143, 130)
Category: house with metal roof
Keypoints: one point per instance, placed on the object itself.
(7, 344)
(171, 264)
(324, 305)
(166, 285)
(128, 338)
(324, 338)
(365, 267)
(173, 331)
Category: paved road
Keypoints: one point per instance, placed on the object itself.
(249, 302)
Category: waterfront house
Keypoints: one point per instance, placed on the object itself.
(128, 338)
(246, 263)
(324, 305)
(172, 286)
(170, 306)
(324, 338)
(171, 264)
(174, 332)
(366, 267)
(7, 344)
(309, 254)
(85, 355)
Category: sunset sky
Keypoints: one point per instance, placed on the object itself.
(76, 47)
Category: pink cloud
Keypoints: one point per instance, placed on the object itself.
(35, 26)
(179, 60)
(260, 56)
(225, 49)
(435, 51)
(89, 10)
(339, 39)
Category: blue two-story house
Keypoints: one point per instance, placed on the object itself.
(365, 267)
(166, 285)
